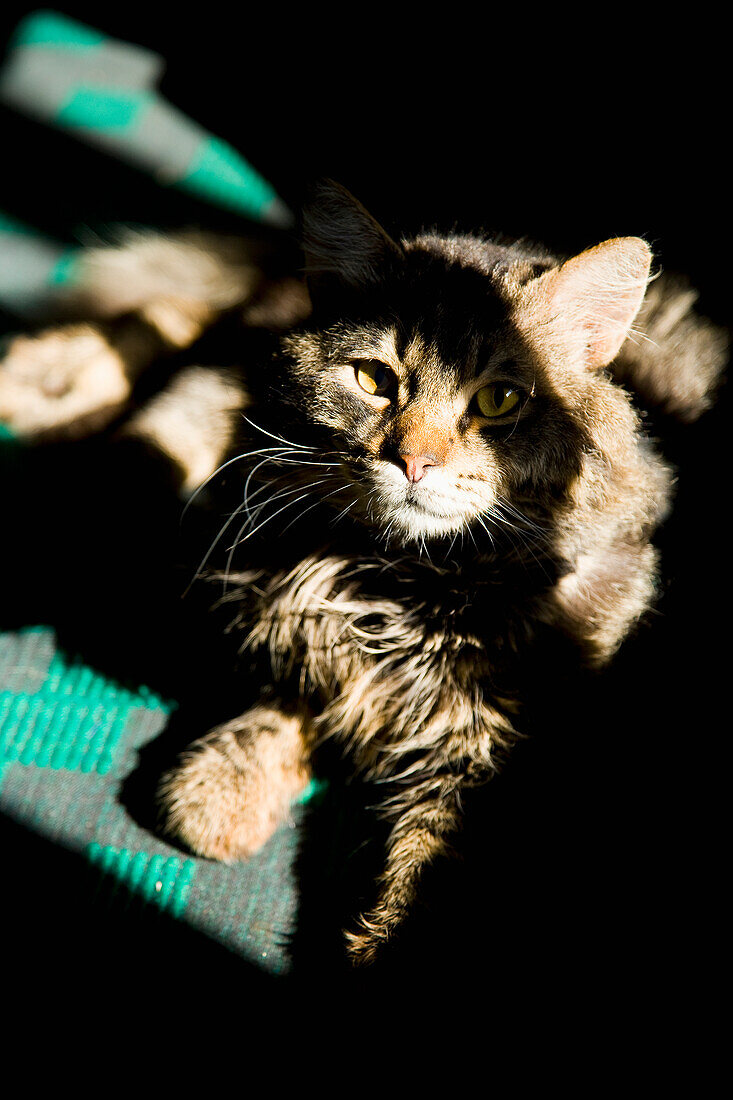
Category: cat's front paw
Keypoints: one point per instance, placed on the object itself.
(65, 381)
(205, 804)
(233, 788)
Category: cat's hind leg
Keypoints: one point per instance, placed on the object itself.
(128, 307)
(72, 380)
(233, 788)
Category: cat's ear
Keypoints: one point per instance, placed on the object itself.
(345, 248)
(597, 295)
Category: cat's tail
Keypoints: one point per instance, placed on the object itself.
(674, 357)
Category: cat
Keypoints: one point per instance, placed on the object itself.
(441, 484)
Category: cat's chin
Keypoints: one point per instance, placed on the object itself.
(413, 524)
(414, 513)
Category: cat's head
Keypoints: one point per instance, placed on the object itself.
(458, 379)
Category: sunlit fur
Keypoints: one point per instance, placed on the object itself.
(399, 573)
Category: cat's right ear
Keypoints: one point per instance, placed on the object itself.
(346, 250)
(593, 298)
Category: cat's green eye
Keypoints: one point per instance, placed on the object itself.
(497, 399)
(374, 377)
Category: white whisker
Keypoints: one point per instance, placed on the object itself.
(277, 438)
(219, 470)
(300, 515)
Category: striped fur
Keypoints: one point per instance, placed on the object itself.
(399, 571)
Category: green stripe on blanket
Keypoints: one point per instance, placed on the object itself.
(69, 737)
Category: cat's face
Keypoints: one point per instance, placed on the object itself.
(439, 374)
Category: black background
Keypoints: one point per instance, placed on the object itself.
(592, 871)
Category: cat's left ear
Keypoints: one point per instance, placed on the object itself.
(598, 293)
(345, 248)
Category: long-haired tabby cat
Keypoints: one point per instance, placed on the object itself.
(439, 475)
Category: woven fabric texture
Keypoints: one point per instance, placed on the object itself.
(69, 737)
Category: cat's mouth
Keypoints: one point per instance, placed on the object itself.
(431, 508)
(414, 501)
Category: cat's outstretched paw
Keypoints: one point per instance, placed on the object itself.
(233, 788)
(363, 948)
(376, 929)
(63, 382)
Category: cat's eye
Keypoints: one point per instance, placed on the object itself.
(374, 377)
(497, 399)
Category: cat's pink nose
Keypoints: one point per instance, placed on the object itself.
(415, 465)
